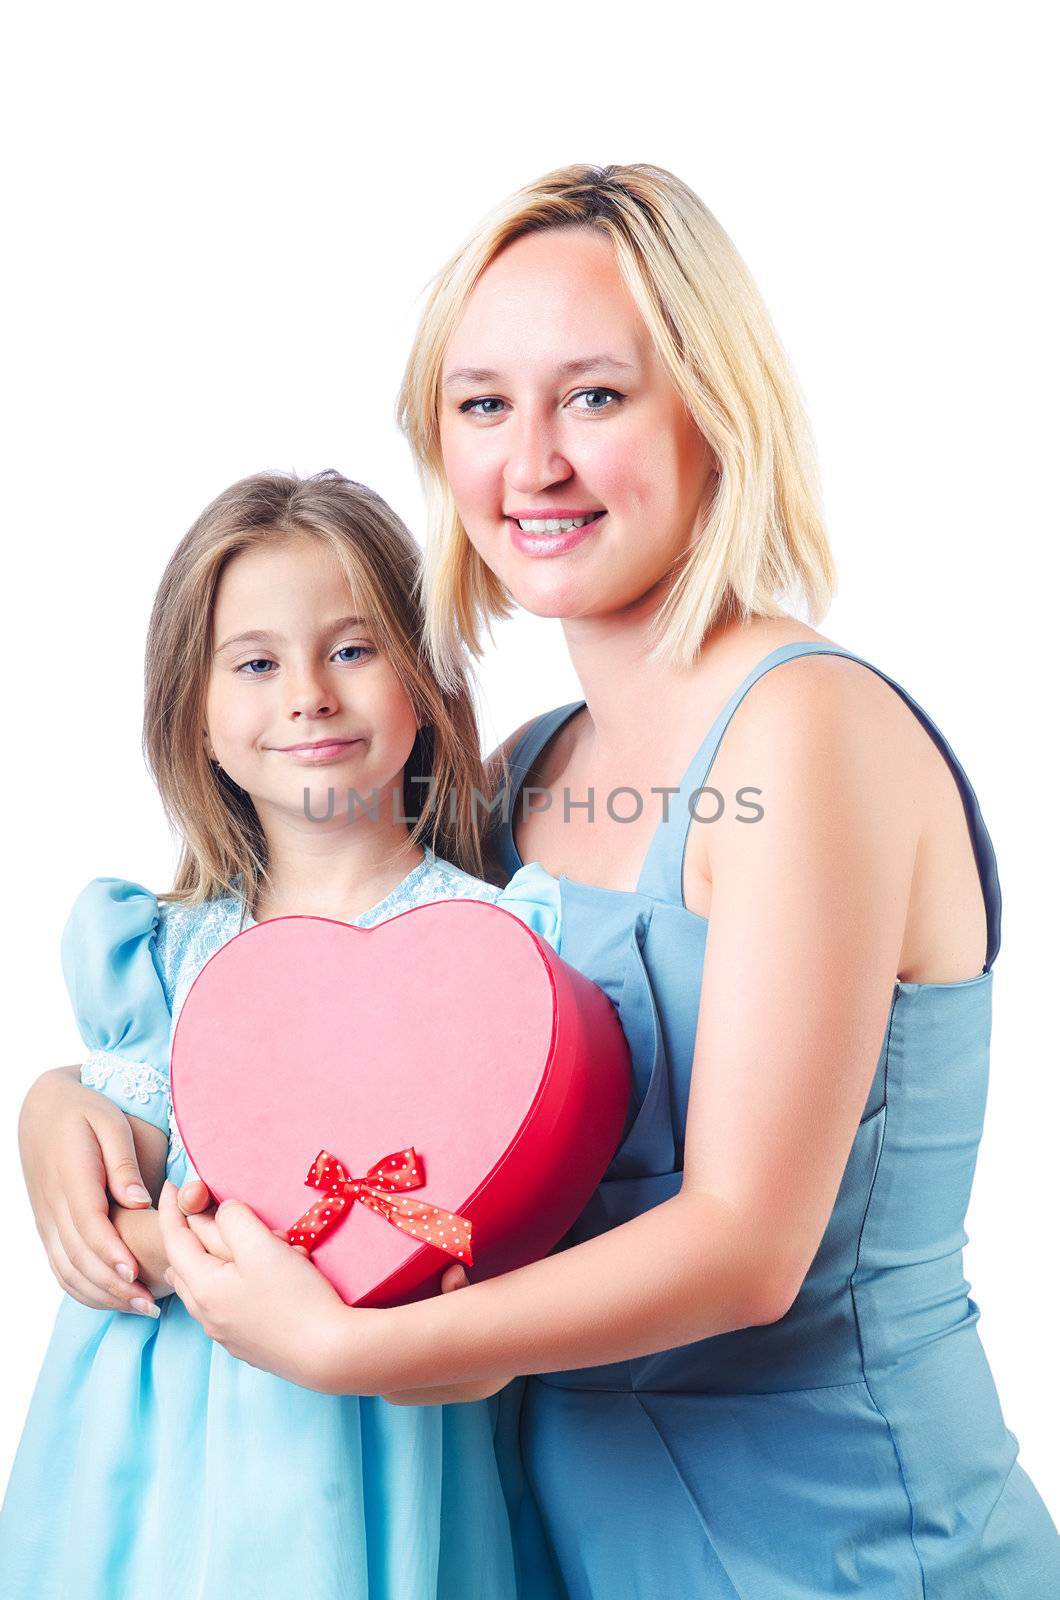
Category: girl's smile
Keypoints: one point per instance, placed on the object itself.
(321, 753)
(290, 692)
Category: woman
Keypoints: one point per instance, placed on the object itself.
(758, 1368)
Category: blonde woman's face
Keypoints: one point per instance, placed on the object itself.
(556, 407)
(294, 666)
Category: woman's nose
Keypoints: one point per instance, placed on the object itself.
(535, 461)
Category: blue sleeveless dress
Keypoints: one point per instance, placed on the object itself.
(856, 1446)
(154, 1462)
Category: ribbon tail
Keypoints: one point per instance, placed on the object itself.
(445, 1230)
(314, 1225)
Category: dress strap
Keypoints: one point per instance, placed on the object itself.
(662, 874)
(521, 759)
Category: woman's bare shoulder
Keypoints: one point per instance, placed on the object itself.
(508, 745)
(817, 696)
(820, 713)
(496, 762)
(832, 737)
(497, 771)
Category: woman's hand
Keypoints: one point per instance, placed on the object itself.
(75, 1144)
(217, 1243)
(256, 1295)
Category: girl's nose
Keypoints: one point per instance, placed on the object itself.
(310, 697)
(325, 709)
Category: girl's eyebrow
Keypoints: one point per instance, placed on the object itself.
(263, 636)
(567, 369)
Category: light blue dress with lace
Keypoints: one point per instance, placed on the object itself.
(151, 1460)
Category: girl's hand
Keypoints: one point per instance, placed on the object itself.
(195, 1202)
(453, 1277)
(75, 1144)
(259, 1297)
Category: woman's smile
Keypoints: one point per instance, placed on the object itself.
(533, 424)
(551, 533)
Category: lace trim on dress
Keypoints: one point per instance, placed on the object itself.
(176, 1143)
(136, 1080)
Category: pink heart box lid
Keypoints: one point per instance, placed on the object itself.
(451, 1028)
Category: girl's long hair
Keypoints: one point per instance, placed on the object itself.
(760, 545)
(222, 844)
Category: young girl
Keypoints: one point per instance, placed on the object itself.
(283, 659)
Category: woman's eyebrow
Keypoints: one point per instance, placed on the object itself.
(567, 369)
(263, 636)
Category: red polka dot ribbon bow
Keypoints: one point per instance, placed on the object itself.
(380, 1190)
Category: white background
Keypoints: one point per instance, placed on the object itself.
(220, 224)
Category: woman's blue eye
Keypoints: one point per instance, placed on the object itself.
(614, 394)
(259, 661)
(363, 648)
(471, 406)
(474, 407)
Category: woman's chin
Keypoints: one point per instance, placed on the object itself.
(566, 601)
(557, 604)
(566, 587)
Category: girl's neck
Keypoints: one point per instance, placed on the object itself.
(339, 873)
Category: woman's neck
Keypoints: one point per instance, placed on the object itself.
(624, 690)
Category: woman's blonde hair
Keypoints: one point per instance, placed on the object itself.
(222, 839)
(762, 538)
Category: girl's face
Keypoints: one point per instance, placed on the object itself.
(555, 405)
(299, 696)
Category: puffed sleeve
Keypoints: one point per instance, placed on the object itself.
(533, 895)
(112, 971)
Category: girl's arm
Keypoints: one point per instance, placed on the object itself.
(808, 911)
(75, 1144)
(140, 1233)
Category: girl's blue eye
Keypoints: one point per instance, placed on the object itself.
(361, 650)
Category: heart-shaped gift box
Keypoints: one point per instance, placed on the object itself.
(450, 1030)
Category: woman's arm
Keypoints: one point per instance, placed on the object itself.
(75, 1144)
(453, 1277)
(808, 911)
(454, 1394)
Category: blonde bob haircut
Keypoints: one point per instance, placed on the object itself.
(760, 546)
(223, 847)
